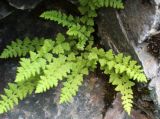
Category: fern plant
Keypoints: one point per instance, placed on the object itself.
(68, 59)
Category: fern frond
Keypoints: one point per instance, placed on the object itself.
(88, 20)
(74, 80)
(20, 48)
(61, 46)
(71, 87)
(124, 86)
(111, 3)
(82, 33)
(130, 67)
(14, 93)
(96, 4)
(29, 68)
(33, 65)
(61, 18)
(55, 71)
(121, 64)
(121, 69)
(75, 29)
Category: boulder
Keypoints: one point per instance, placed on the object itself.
(127, 30)
(23, 4)
(5, 9)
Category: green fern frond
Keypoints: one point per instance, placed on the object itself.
(20, 48)
(29, 68)
(111, 3)
(120, 68)
(37, 62)
(81, 33)
(55, 71)
(87, 20)
(61, 46)
(74, 80)
(121, 64)
(96, 4)
(124, 86)
(130, 67)
(61, 18)
(33, 65)
(71, 87)
(14, 93)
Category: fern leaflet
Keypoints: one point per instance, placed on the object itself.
(14, 93)
(54, 72)
(33, 65)
(61, 18)
(20, 48)
(124, 86)
(74, 80)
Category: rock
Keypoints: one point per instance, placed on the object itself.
(117, 112)
(88, 104)
(5, 10)
(126, 31)
(23, 4)
(27, 25)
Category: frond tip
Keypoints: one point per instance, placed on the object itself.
(70, 87)
(124, 86)
(73, 81)
(14, 93)
(20, 48)
(61, 18)
(122, 70)
(54, 72)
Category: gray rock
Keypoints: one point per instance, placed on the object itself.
(23, 4)
(88, 104)
(5, 10)
(126, 31)
(117, 112)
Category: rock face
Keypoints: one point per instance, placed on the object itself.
(138, 21)
(124, 31)
(117, 112)
(88, 104)
(5, 9)
(24, 4)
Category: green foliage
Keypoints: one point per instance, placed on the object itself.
(96, 4)
(80, 32)
(21, 48)
(124, 86)
(33, 65)
(68, 59)
(122, 71)
(14, 93)
(61, 18)
(74, 80)
(55, 71)
(81, 27)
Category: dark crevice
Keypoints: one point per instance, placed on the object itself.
(142, 100)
